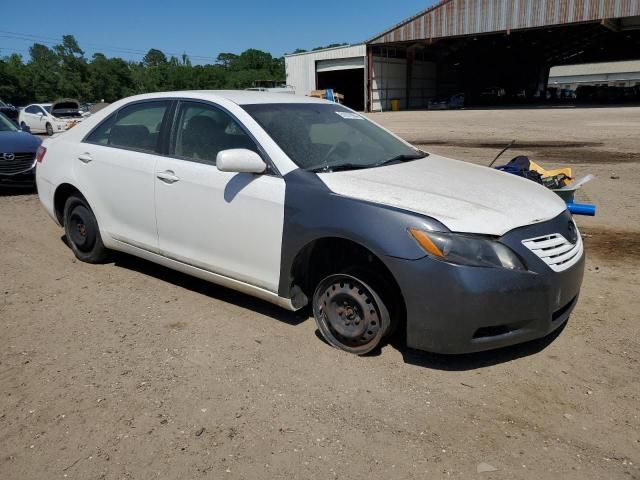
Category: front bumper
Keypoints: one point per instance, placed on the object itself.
(26, 178)
(459, 309)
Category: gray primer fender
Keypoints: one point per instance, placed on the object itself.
(312, 212)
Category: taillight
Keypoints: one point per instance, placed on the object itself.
(42, 151)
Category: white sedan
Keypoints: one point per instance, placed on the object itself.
(302, 202)
(51, 118)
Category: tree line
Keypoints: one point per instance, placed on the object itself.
(63, 71)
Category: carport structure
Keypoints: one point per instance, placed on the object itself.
(491, 48)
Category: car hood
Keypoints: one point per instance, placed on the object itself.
(18, 142)
(65, 104)
(464, 197)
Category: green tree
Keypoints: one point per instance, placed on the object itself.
(73, 70)
(64, 71)
(154, 58)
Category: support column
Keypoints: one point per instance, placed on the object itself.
(411, 55)
(369, 83)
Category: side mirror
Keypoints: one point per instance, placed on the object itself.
(40, 114)
(240, 160)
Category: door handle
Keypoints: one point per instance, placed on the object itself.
(85, 157)
(168, 177)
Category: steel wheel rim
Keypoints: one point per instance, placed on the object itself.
(80, 232)
(348, 314)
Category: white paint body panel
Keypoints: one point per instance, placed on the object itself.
(120, 187)
(222, 225)
(227, 223)
(464, 197)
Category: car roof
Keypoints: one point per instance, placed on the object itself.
(240, 97)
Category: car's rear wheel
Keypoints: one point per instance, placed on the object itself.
(22, 125)
(49, 129)
(350, 314)
(82, 232)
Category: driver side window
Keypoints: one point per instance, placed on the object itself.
(203, 130)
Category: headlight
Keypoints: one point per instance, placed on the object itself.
(467, 250)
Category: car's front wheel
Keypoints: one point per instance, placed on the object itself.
(82, 232)
(350, 314)
(49, 129)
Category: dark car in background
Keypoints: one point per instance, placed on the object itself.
(17, 154)
(9, 111)
(447, 102)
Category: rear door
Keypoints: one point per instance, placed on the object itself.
(227, 223)
(115, 166)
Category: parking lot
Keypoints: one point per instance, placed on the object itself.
(130, 370)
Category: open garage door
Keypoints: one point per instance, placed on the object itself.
(345, 76)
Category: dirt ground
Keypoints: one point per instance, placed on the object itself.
(132, 371)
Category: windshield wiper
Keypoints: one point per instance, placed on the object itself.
(405, 157)
(336, 168)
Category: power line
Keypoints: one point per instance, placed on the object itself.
(55, 41)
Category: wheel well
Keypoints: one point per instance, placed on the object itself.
(334, 255)
(63, 192)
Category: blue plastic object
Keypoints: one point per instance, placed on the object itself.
(330, 95)
(582, 209)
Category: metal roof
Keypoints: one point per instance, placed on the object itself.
(468, 17)
(326, 52)
(595, 69)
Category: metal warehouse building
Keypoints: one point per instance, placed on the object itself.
(613, 74)
(470, 46)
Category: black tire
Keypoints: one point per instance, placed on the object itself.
(22, 125)
(350, 313)
(82, 232)
(49, 129)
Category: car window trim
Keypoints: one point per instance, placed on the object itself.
(115, 114)
(167, 131)
(272, 170)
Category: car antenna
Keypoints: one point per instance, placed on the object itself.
(511, 144)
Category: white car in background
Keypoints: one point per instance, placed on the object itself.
(51, 118)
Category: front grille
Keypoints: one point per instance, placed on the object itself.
(21, 163)
(555, 250)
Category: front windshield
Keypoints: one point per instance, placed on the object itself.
(328, 137)
(47, 108)
(7, 125)
(2, 104)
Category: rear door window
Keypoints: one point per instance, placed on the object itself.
(134, 127)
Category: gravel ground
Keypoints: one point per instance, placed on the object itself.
(129, 370)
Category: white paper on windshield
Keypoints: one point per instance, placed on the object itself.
(350, 116)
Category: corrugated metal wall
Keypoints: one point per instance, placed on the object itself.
(389, 81)
(468, 17)
(301, 68)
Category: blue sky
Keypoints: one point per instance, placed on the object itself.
(198, 27)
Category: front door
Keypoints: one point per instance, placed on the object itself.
(227, 223)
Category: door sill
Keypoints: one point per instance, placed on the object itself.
(207, 275)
